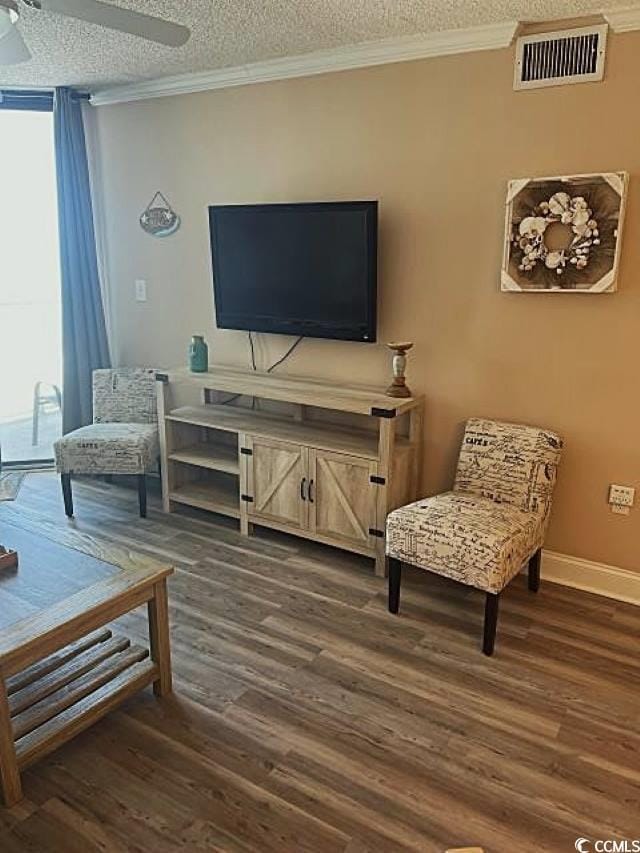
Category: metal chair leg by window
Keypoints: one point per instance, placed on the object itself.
(43, 400)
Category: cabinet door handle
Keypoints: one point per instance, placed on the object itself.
(302, 484)
(310, 492)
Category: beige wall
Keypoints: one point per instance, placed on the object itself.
(435, 141)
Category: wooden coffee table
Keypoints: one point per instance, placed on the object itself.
(61, 669)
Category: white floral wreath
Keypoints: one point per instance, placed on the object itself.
(563, 208)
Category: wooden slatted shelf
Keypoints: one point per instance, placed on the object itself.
(216, 457)
(57, 659)
(62, 675)
(78, 717)
(66, 692)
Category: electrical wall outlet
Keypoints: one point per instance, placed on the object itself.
(141, 290)
(620, 510)
(621, 496)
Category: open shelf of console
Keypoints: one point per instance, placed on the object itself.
(221, 496)
(216, 457)
(326, 436)
(309, 459)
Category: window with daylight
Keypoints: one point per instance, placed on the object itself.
(30, 322)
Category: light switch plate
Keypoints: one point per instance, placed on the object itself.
(619, 509)
(141, 290)
(621, 495)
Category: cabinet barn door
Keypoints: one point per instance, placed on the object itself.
(342, 503)
(277, 481)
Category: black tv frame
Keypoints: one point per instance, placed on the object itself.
(248, 323)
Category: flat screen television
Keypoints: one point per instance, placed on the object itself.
(296, 269)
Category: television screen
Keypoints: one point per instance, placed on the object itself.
(296, 269)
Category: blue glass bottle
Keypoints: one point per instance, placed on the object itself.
(198, 354)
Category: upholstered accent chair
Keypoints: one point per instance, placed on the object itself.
(493, 521)
(123, 438)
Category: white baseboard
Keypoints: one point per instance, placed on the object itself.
(586, 575)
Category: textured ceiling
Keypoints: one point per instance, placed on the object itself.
(233, 32)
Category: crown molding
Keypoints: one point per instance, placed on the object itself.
(624, 19)
(367, 54)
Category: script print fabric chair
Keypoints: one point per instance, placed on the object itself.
(123, 438)
(493, 521)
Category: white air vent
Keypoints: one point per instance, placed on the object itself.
(568, 56)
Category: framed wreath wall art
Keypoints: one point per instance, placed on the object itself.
(564, 234)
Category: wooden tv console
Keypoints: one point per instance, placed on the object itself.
(323, 461)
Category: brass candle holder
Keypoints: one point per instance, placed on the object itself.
(398, 387)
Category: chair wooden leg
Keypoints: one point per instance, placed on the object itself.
(395, 572)
(490, 622)
(142, 495)
(67, 494)
(534, 571)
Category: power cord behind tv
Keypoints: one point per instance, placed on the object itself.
(253, 353)
(269, 369)
(285, 356)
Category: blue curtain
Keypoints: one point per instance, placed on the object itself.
(26, 99)
(84, 336)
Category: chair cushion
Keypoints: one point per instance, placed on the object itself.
(108, 449)
(465, 537)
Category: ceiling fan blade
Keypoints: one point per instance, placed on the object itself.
(12, 48)
(124, 20)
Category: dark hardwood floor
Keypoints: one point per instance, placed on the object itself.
(306, 718)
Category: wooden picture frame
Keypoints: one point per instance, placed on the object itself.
(564, 234)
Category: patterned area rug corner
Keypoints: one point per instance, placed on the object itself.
(10, 485)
